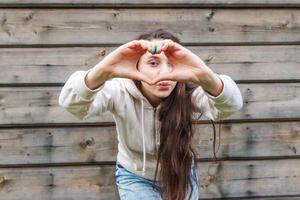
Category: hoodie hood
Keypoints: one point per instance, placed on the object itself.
(133, 90)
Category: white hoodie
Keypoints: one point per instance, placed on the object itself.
(136, 119)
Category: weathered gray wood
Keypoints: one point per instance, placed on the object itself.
(100, 30)
(250, 178)
(152, 3)
(99, 144)
(225, 179)
(277, 198)
(58, 183)
(116, 26)
(242, 63)
(40, 105)
(249, 140)
(58, 145)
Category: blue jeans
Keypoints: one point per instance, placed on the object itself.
(132, 187)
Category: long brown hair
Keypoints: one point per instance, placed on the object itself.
(175, 153)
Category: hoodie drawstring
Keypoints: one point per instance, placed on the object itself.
(143, 133)
(144, 146)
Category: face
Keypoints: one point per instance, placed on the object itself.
(152, 65)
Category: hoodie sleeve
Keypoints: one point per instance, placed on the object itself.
(218, 107)
(83, 102)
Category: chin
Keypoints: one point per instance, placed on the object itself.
(163, 94)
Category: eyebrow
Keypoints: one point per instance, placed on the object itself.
(153, 57)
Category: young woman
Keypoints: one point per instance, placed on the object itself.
(154, 87)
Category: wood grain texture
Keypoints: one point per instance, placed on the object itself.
(47, 153)
(52, 66)
(149, 3)
(70, 145)
(116, 26)
(225, 179)
(21, 105)
(58, 183)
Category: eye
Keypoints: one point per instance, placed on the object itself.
(153, 63)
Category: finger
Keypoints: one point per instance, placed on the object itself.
(133, 45)
(153, 48)
(166, 45)
(160, 46)
(146, 45)
(156, 45)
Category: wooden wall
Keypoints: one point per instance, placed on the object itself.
(48, 154)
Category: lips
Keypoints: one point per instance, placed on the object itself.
(164, 86)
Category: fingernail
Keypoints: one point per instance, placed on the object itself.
(153, 49)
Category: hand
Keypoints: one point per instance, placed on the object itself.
(187, 67)
(122, 62)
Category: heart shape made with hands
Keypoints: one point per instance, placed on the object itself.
(187, 67)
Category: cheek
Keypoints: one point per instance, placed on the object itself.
(174, 87)
(174, 84)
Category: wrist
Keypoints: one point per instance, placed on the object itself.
(212, 83)
(96, 77)
(102, 70)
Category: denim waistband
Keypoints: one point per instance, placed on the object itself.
(119, 165)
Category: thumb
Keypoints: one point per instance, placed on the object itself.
(141, 77)
(162, 77)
